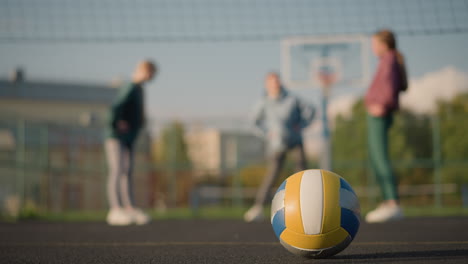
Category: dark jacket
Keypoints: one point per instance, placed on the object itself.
(387, 84)
(129, 108)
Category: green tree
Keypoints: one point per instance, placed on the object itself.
(410, 142)
(349, 145)
(170, 148)
(453, 117)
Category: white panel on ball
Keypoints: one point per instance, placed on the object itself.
(311, 195)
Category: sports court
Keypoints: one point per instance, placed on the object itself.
(188, 114)
(415, 240)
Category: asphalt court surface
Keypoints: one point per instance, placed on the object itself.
(414, 240)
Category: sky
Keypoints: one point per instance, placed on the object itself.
(200, 80)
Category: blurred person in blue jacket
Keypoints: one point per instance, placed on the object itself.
(126, 120)
(280, 118)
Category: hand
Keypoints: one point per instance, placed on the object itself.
(297, 128)
(376, 110)
(272, 135)
(122, 126)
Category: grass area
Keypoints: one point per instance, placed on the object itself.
(207, 213)
(176, 213)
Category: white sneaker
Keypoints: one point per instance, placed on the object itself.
(384, 213)
(254, 214)
(138, 216)
(119, 217)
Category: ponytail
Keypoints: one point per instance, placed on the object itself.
(403, 72)
(388, 37)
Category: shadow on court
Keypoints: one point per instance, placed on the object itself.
(407, 255)
(415, 240)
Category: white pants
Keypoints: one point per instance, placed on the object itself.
(119, 182)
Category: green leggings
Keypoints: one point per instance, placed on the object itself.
(378, 152)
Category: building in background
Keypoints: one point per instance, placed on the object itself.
(62, 102)
(217, 152)
(51, 136)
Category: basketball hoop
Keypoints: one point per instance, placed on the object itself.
(326, 72)
(326, 80)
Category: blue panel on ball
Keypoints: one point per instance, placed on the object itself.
(346, 186)
(278, 222)
(282, 186)
(349, 221)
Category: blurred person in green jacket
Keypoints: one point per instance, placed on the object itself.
(280, 118)
(125, 122)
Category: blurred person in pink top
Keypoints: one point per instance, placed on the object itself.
(382, 100)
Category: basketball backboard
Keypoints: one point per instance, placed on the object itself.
(308, 62)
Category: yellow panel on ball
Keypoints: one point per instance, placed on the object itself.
(321, 241)
(292, 212)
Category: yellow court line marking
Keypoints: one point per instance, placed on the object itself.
(152, 244)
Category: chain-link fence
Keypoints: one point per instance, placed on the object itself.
(60, 167)
(221, 20)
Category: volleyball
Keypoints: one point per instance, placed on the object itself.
(315, 214)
